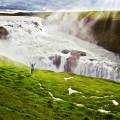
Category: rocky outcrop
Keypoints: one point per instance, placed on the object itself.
(56, 60)
(101, 29)
(72, 61)
(3, 33)
(70, 64)
(107, 34)
(77, 53)
(104, 29)
(74, 52)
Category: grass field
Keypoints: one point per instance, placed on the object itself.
(25, 96)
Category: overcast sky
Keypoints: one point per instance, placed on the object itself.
(41, 5)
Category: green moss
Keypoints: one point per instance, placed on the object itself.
(102, 14)
(22, 98)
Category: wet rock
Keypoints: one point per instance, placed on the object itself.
(56, 60)
(10, 25)
(36, 24)
(70, 64)
(65, 51)
(92, 59)
(20, 26)
(41, 29)
(3, 32)
(72, 61)
(82, 53)
(77, 53)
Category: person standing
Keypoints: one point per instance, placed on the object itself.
(32, 67)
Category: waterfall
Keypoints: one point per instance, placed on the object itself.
(94, 68)
(35, 40)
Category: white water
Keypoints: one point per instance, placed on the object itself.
(26, 43)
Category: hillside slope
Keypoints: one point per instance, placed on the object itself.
(44, 95)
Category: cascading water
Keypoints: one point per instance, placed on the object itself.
(52, 49)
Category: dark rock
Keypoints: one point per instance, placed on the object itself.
(56, 60)
(72, 61)
(92, 59)
(83, 53)
(77, 53)
(10, 25)
(3, 32)
(36, 24)
(20, 26)
(107, 33)
(70, 64)
(41, 29)
(65, 51)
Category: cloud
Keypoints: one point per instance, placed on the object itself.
(60, 4)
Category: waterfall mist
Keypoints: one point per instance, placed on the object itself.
(59, 42)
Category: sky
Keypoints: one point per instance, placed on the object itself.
(46, 5)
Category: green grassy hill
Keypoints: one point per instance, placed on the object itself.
(25, 96)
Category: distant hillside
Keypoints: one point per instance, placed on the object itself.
(40, 14)
(44, 95)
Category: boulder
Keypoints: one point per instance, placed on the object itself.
(56, 60)
(3, 33)
(65, 51)
(72, 61)
(70, 64)
(77, 53)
